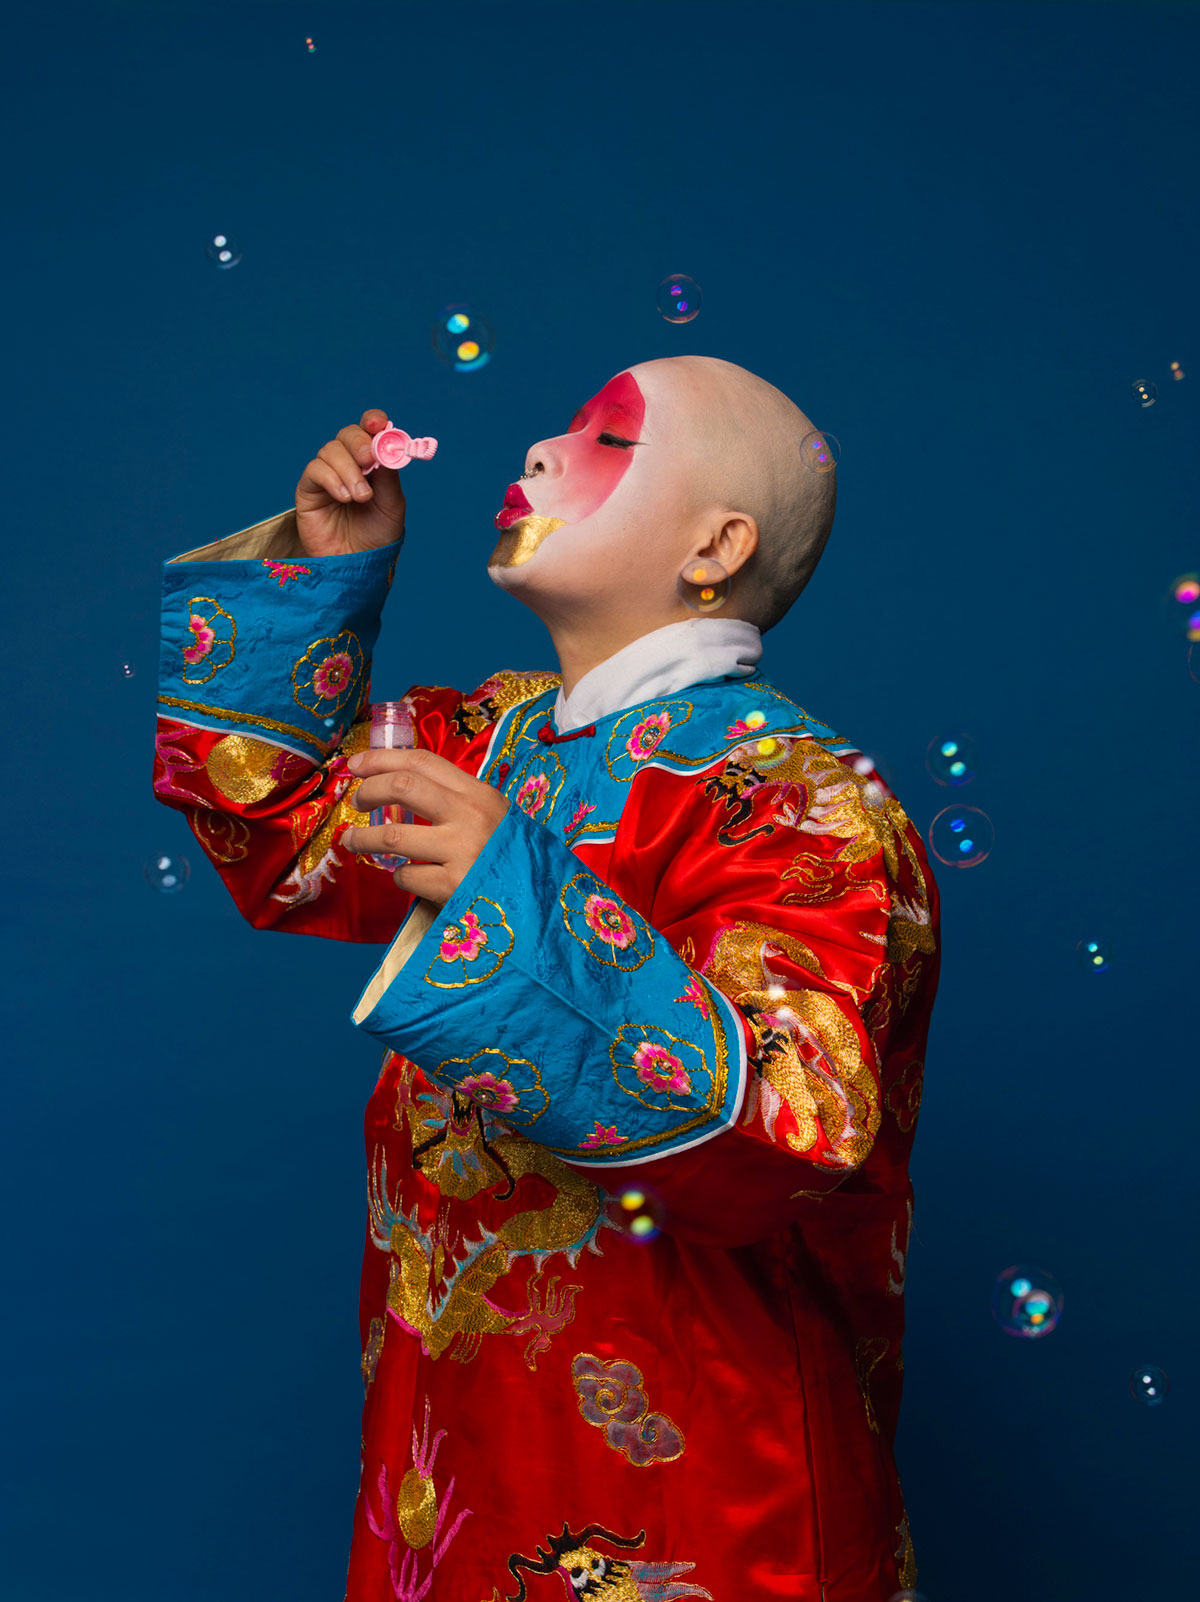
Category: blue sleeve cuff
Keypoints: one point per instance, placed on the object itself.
(543, 996)
(276, 649)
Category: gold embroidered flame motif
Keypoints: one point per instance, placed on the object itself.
(810, 1053)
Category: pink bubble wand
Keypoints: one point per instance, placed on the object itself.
(392, 447)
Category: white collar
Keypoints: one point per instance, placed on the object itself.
(658, 664)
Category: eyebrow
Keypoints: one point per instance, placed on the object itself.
(613, 410)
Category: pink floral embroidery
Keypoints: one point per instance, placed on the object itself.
(600, 1136)
(457, 943)
(203, 638)
(606, 919)
(696, 994)
(532, 793)
(581, 812)
(411, 1519)
(750, 724)
(660, 1068)
(333, 675)
(647, 735)
(495, 1093)
(285, 570)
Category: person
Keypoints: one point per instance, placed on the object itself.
(655, 1004)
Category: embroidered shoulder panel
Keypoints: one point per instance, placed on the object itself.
(509, 687)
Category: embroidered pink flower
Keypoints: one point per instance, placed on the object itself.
(203, 638)
(333, 675)
(600, 1136)
(660, 1069)
(495, 1093)
(465, 939)
(532, 794)
(284, 570)
(696, 994)
(750, 724)
(647, 735)
(581, 812)
(606, 919)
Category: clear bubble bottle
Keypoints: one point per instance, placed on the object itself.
(391, 729)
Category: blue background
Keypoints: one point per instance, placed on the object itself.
(955, 234)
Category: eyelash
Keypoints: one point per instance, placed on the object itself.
(615, 439)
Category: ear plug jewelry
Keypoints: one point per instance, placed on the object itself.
(703, 584)
(392, 447)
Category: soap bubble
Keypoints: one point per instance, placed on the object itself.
(224, 250)
(702, 584)
(463, 338)
(679, 298)
(165, 873)
(1177, 371)
(641, 1213)
(952, 760)
(1094, 955)
(1149, 1385)
(311, 47)
(961, 837)
(820, 452)
(1026, 1301)
(1181, 605)
(127, 670)
(1144, 392)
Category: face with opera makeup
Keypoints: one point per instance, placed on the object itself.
(599, 525)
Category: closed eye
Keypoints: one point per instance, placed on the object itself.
(614, 439)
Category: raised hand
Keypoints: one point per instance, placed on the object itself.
(337, 511)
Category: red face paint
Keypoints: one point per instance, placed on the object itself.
(582, 472)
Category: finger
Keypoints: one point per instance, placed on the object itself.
(425, 842)
(373, 420)
(340, 459)
(431, 884)
(319, 484)
(421, 763)
(358, 442)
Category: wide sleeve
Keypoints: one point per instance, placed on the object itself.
(264, 693)
(730, 1054)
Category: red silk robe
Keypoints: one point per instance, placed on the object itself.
(676, 1378)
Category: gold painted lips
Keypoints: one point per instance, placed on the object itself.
(518, 543)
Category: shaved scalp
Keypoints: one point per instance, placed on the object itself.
(745, 435)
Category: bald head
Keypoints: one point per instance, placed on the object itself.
(743, 436)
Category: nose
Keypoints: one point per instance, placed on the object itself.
(530, 472)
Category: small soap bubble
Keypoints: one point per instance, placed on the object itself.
(1094, 955)
(128, 670)
(166, 873)
(1149, 1386)
(224, 250)
(1145, 392)
(1026, 1301)
(1177, 371)
(310, 47)
(702, 584)
(463, 338)
(1181, 604)
(641, 1214)
(820, 452)
(952, 759)
(679, 298)
(961, 837)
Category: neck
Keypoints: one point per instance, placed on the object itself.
(580, 649)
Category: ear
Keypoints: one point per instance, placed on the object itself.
(734, 542)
